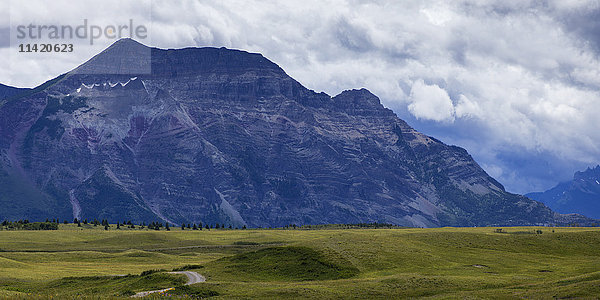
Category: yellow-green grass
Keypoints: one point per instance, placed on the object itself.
(352, 263)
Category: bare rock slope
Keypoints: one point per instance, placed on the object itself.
(225, 136)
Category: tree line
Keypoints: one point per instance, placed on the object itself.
(155, 225)
(26, 225)
(52, 224)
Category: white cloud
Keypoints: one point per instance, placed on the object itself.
(430, 102)
(467, 108)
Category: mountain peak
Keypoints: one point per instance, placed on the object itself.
(589, 173)
(125, 56)
(127, 42)
(358, 101)
(580, 195)
(129, 57)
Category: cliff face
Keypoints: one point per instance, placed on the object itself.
(218, 135)
(580, 195)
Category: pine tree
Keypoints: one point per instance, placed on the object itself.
(105, 227)
(182, 226)
(195, 228)
(167, 227)
(118, 226)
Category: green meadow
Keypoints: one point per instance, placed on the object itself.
(441, 263)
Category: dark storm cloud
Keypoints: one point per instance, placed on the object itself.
(353, 37)
(585, 23)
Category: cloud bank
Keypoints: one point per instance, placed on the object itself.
(516, 82)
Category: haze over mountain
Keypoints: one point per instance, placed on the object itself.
(217, 135)
(580, 195)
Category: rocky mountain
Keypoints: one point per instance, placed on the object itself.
(9, 91)
(580, 195)
(219, 135)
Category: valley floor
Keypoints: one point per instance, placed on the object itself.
(90, 262)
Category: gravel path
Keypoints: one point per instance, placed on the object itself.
(193, 278)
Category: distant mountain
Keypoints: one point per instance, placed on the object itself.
(217, 135)
(580, 195)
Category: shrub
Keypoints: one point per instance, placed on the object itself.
(188, 267)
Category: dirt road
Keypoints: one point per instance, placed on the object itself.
(193, 278)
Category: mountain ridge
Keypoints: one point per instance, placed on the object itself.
(215, 135)
(579, 195)
(7, 92)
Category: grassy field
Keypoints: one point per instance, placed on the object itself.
(441, 263)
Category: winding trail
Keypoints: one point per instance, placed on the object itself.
(193, 278)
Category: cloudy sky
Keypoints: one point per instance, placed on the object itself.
(515, 82)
